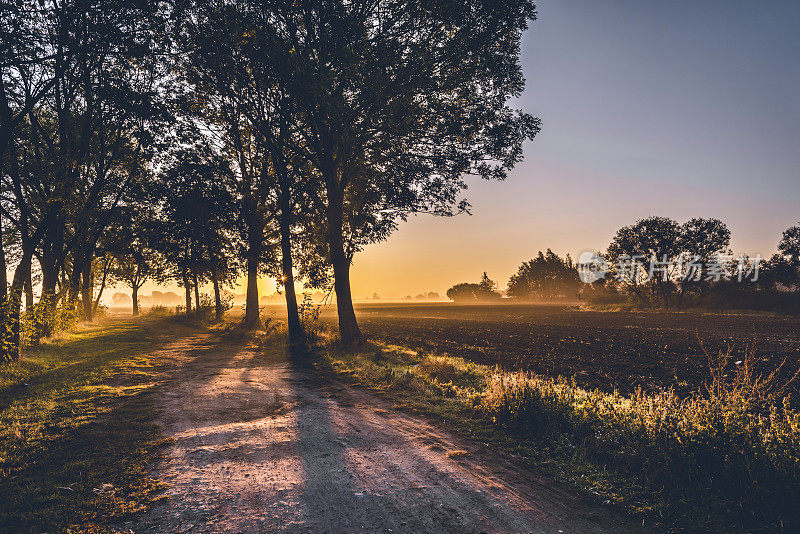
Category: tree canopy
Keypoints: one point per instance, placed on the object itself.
(483, 291)
(265, 137)
(545, 277)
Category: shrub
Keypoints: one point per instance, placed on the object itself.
(443, 370)
(33, 321)
(600, 295)
(205, 311)
(733, 451)
(101, 312)
(158, 310)
(309, 316)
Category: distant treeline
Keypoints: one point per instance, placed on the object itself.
(156, 298)
(545, 277)
(659, 262)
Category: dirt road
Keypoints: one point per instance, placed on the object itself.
(263, 446)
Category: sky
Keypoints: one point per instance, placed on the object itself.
(679, 109)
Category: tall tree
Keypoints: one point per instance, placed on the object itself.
(789, 245)
(700, 241)
(483, 291)
(198, 219)
(547, 276)
(399, 100)
(134, 267)
(216, 96)
(783, 269)
(644, 257)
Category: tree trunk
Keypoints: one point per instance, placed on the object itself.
(49, 278)
(196, 292)
(106, 265)
(74, 284)
(10, 346)
(63, 289)
(28, 292)
(51, 262)
(349, 333)
(45, 316)
(135, 298)
(251, 319)
(87, 290)
(188, 289)
(296, 333)
(3, 272)
(218, 311)
(10, 350)
(255, 238)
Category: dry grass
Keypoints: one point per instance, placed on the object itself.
(77, 437)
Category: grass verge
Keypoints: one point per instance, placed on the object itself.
(77, 435)
(724, 460)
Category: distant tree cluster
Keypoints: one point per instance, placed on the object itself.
(649, 260)
(657, 261)
(196, 141)
(783, 269)
(155, 298)
(431, 295)
(483, 291)
(546, 277)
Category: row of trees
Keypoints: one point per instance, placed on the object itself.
(657, 261)
(483, 291)
(647, 260)
(545, 277)
(194, 141)
(78, 112)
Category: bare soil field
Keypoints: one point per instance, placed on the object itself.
(604, 350)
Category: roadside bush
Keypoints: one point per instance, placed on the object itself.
(309, 316)
(32, 322)
(66, 317)
(600, 295)
(101, 312)
(729, 454)
(530, 405)
(445, 370)
(205, 311)
(158, 310)
(732, 296)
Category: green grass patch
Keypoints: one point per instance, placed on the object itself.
(726, 459)
(77, 431)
